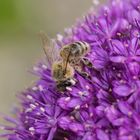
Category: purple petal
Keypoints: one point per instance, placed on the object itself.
(125, 108)
(101, 135)
(74, 102)
(134, 68)
(64, 122)
(63, 102)
(118, 47)
(118, 59)
(112, 113)
(122, 90)
(133, 15)
(77, 128)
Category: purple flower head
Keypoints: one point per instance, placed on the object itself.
(104, 107)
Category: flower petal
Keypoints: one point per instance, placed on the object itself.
(122, 90)
(101, 135)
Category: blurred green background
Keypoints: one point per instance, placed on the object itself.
(20, 46)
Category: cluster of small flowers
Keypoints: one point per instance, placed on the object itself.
(106, 107)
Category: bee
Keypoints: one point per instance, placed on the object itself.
(63, 75)
(74, 54)
(62, 72)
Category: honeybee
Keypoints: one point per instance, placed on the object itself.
(74, 55)
(62, 72)
(63, 75)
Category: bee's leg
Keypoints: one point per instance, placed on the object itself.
(81, 72)
(87, 62)
(85, 74)
(62, 85)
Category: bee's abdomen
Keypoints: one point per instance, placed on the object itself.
(79, 48)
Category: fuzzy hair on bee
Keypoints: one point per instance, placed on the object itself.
(62, 72)
(74, 54)
(77, 50)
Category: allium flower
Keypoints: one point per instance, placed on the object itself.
(106, 107)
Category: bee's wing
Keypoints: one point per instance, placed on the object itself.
(50, 49)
